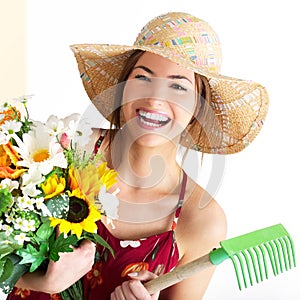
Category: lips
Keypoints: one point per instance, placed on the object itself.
(152, 119)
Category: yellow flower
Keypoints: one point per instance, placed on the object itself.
(72, 179)
(90, 179)
(82, 216)
(53, 186)
(107, 176)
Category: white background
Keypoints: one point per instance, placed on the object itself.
(260, 186)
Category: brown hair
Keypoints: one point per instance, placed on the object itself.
(202, 88)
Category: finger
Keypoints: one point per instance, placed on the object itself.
(138, 290)
(118, 293)
(143, 275)
(112, 296)
(127, 292)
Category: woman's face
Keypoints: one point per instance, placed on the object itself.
(159, 99)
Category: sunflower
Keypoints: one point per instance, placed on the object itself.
(90, 179)
(82, 216)
(107, 176)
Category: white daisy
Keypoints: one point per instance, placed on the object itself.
(109, 204)
(21, 238)
(4, 138)
(8, 218)
(40, 150)
(28, 225)
(11, 127)
(9, 184)
(30, 190)
(54, 126)
(18, 223)
(25, 202)
(40, 205)
(23, 99)
(78, 129)
(7, 229)
(33, 176)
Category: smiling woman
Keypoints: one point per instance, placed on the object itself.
(162, 94)
(159, 95)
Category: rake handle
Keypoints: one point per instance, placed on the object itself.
(178, 274)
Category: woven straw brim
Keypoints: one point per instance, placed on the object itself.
(240, 106)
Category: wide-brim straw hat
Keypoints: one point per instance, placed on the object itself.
(240, 106)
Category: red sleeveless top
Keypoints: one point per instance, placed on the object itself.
(157, 253)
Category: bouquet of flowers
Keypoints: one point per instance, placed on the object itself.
(46, 180)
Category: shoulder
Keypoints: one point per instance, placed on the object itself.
(202, 224)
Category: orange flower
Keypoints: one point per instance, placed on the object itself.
(23, 293)
(9, 114)
(8, 162)
(95, 275)
(135, 267)
(55, 297)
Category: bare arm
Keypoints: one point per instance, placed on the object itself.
(61, 274)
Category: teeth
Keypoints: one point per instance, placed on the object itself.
(149, 123)
(153, 116)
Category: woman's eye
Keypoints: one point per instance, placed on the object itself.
(142, 77)
(178, 87)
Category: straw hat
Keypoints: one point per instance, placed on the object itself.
(240, 106)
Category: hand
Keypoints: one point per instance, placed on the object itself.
(134, 289)
(70, 267)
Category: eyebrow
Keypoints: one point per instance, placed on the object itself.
(171, 76)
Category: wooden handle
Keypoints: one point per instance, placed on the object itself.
(178, 274)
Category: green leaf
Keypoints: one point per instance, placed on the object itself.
(154, 252)
(62, 244)
(96, 238)
(6, 200)
(7, 244)
(45, 231)
(33, 256)
(17, 272)
(6, 269)
(59, 206)
(75, 291)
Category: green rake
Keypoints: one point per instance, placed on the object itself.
(248, 253)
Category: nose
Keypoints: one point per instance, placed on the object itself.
(157, 93)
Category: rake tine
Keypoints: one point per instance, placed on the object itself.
(275, 255)
(264, 260)
(285, 253)
(243, 270)
(280, 254)
(290, 249)
(248, 266)
(254, 265)
(271, 257)
(258, 256)
(236, 269)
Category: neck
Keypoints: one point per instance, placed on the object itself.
(145, 167)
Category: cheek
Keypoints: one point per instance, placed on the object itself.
(127, 112)
(186, 109)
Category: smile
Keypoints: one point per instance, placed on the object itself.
(152, 119)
